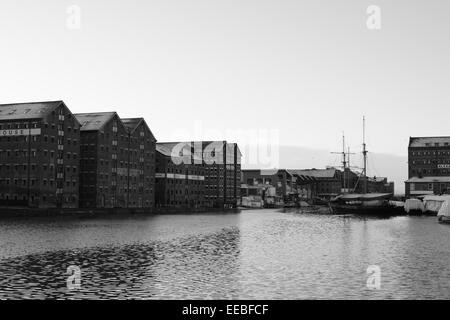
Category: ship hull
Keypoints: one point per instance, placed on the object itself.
(444, 219)
(366, 210)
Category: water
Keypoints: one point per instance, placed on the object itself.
(257, 254)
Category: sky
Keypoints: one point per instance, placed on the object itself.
(298, 73)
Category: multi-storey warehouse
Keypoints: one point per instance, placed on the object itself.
(39, 155)
(428, 166)
(103, 161)
(117, 162)
(141, 163)
(180, 182)
(222, 168)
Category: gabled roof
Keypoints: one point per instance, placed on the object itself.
(166, 149)
(377, 179)
(204, 144)
(268, 172)
(418, 142)
(133, 123)
(316, 173)
(28, 110)
(428, 179)
(303, 178)
(94, 121)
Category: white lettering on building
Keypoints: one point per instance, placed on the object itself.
(20, 132)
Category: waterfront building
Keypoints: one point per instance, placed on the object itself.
(222, 172)
(222, 168)
(103, 161)
(282, 180)
(39, 155)
(428, 166)
(178, 183)
(141, 151)
(306, 186)
(329, 181)
(380, 185)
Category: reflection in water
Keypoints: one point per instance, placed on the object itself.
(260, 254)
(184, 267)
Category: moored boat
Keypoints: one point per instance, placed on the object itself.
(434, 204)
(414, 207)
(365, 204)
(443, 203)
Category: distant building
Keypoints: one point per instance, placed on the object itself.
(39, 155)
(380, 185)
(329, 181)
(281, 179)
(428, 166)
(178, 183)
(141, 152)
(306, 186)
(351, 181)
(222, 163)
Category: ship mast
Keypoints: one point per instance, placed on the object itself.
(346, 184)
(344, 159)
(364, 155)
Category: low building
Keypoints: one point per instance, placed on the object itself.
(427, 186)
(428, 166)
(39, 155)
(178, 183)
(329, 181)
(306, 186)
(281, 179)
(380, 185)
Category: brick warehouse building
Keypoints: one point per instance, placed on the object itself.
(222, 165)
(329, 181)
(39, 155)
(428, 166)
(141, 160)
(103, 176)
(117, 162)
(180, 184)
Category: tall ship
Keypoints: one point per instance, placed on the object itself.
(364, 203)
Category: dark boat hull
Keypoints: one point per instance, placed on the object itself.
(366, 210)
(442, 219)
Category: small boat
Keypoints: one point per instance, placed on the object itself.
(444, 219)
(414, 207)
(366, 204)
(444, 213)
(252, 202)
(434, 204)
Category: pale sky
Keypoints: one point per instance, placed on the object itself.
(307, 69)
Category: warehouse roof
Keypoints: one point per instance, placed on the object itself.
(167, 147)
(28, 110)
(303, 178)
(377, 179)
(132, 123)
(316, 173)
(429, 142)
(428, 179)
(93, 121)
